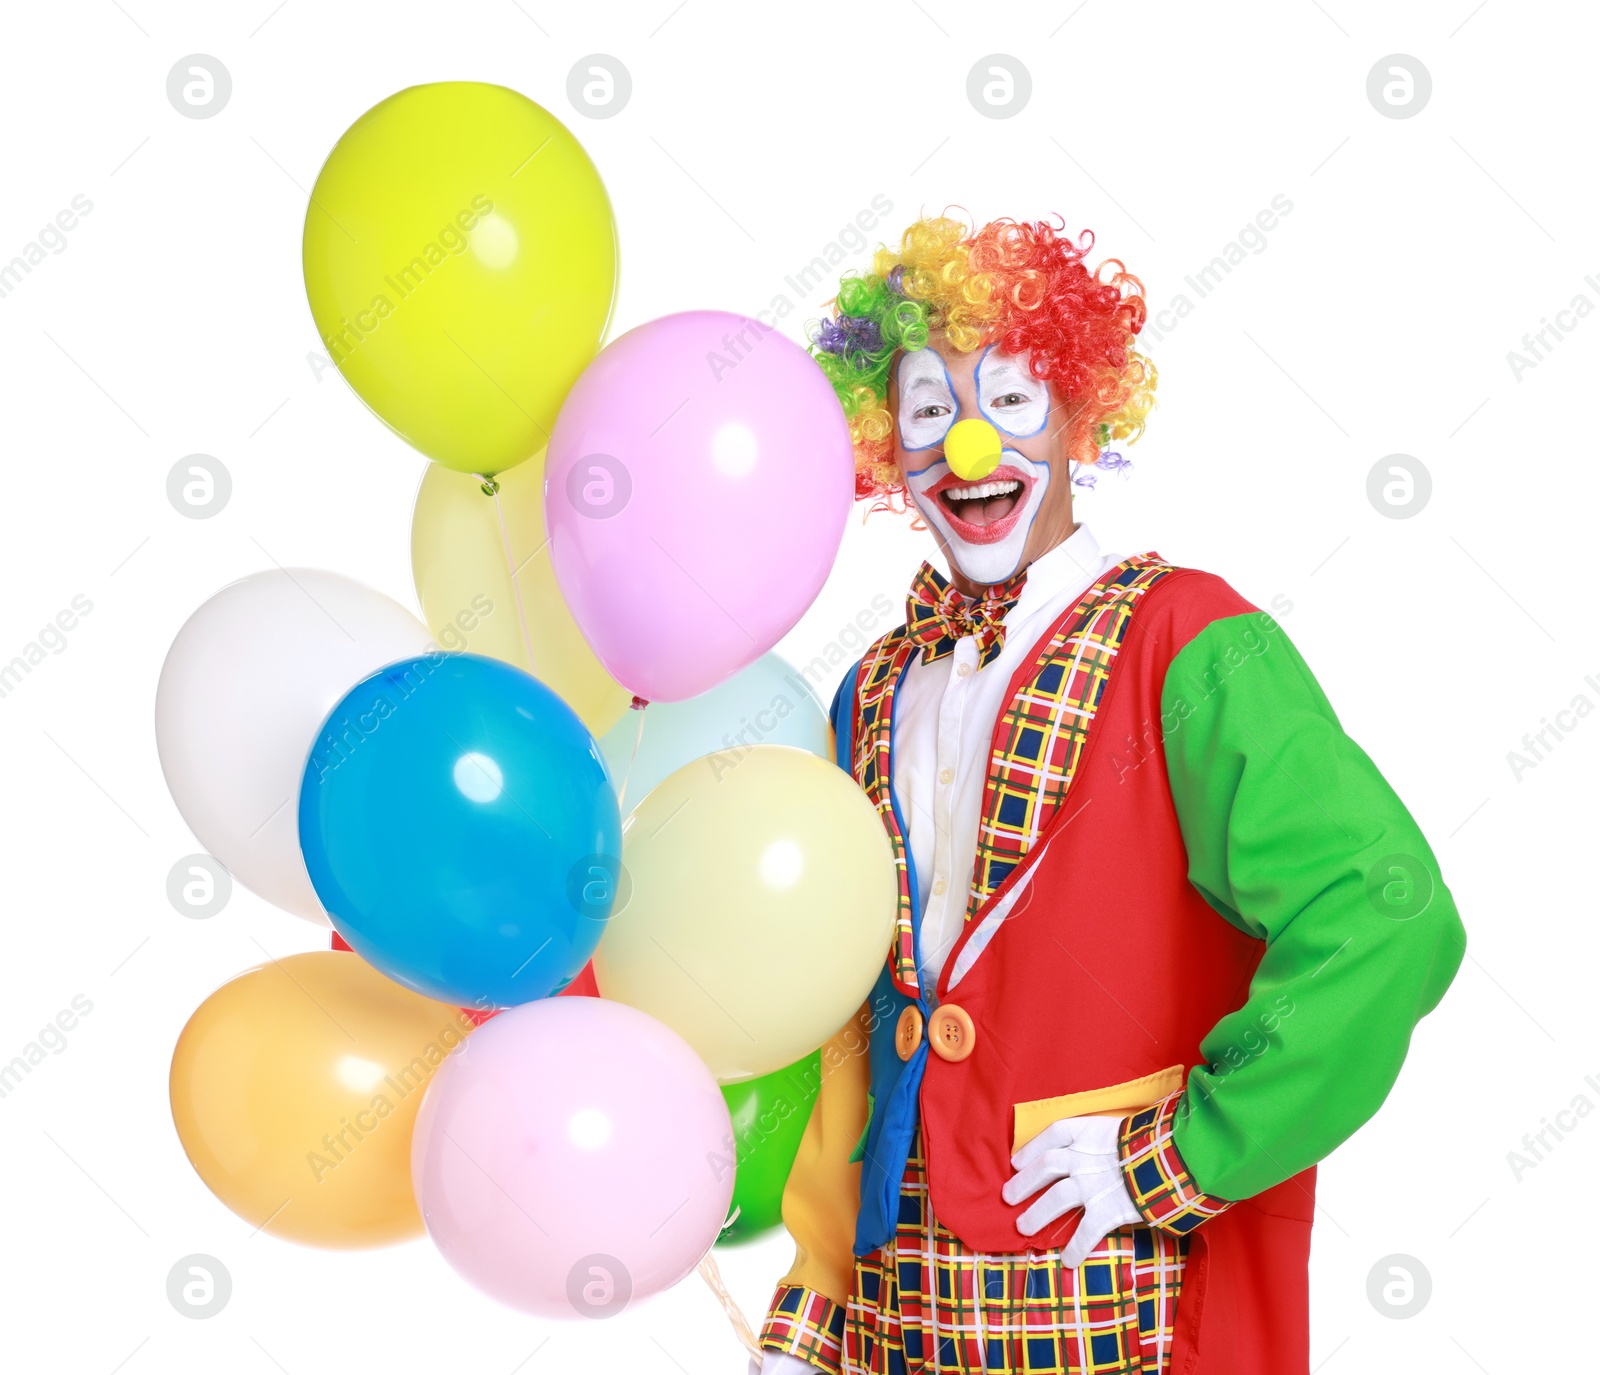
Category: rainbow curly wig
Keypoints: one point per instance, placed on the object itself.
(1020, 285)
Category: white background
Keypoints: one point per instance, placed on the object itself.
(1377, 320)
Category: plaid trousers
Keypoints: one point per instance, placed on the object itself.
(924, 1303)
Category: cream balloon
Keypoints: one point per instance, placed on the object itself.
(463, 572)
(755, 909)
(247, 684)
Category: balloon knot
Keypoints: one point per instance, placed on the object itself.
(489, 485)
(638, 704)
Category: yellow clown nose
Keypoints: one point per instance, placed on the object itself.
(972, 449)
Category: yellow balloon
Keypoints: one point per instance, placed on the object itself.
(461, 261)
(463, 573)
(295, 1088)
(757, 904)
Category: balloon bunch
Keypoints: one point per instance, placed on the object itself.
(599, 528)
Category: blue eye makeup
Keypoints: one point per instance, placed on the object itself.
(1010, 397)
(928, 405)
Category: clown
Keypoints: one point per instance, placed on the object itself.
(1164, 930)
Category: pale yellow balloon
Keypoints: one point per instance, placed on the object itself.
(756, 907)
(463, 573)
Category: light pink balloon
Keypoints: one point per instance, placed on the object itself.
(697, 486)
(572, 1157)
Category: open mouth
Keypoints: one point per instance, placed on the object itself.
(984, 512)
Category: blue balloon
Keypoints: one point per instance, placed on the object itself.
(768, 703)
(459, 827)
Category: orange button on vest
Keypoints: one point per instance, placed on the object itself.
(908, 1033)
(951, 1033)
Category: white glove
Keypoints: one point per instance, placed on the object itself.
(781, 1363)
(1077, 1158)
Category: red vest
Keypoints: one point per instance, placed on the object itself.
(1111, 967)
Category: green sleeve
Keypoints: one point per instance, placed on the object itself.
(1294, 836)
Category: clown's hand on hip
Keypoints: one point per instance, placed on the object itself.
(1075, 1162)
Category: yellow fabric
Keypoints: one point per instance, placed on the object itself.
(1033, 1117)
(820, 1200)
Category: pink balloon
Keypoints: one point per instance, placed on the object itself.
(572, 1156)
(696, 491)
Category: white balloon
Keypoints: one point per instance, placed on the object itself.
(248, 682)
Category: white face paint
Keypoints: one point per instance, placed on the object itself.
(1017, 404)
(986, 554)
(1010, 397)
(928, 406)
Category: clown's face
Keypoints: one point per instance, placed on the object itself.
(993, 528)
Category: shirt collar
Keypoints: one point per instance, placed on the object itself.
(1070, 567)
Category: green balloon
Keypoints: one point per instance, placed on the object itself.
(769, 1118)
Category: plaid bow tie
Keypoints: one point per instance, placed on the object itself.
(937, 615)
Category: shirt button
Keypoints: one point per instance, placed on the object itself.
(945, 775)
(963, 670)
(938, 887)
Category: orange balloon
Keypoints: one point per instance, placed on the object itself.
(295, 1088)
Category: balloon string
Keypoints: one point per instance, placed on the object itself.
(511, 570)
(638, 739)
(741, 1325)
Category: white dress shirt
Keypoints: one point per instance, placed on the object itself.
(944, 717)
